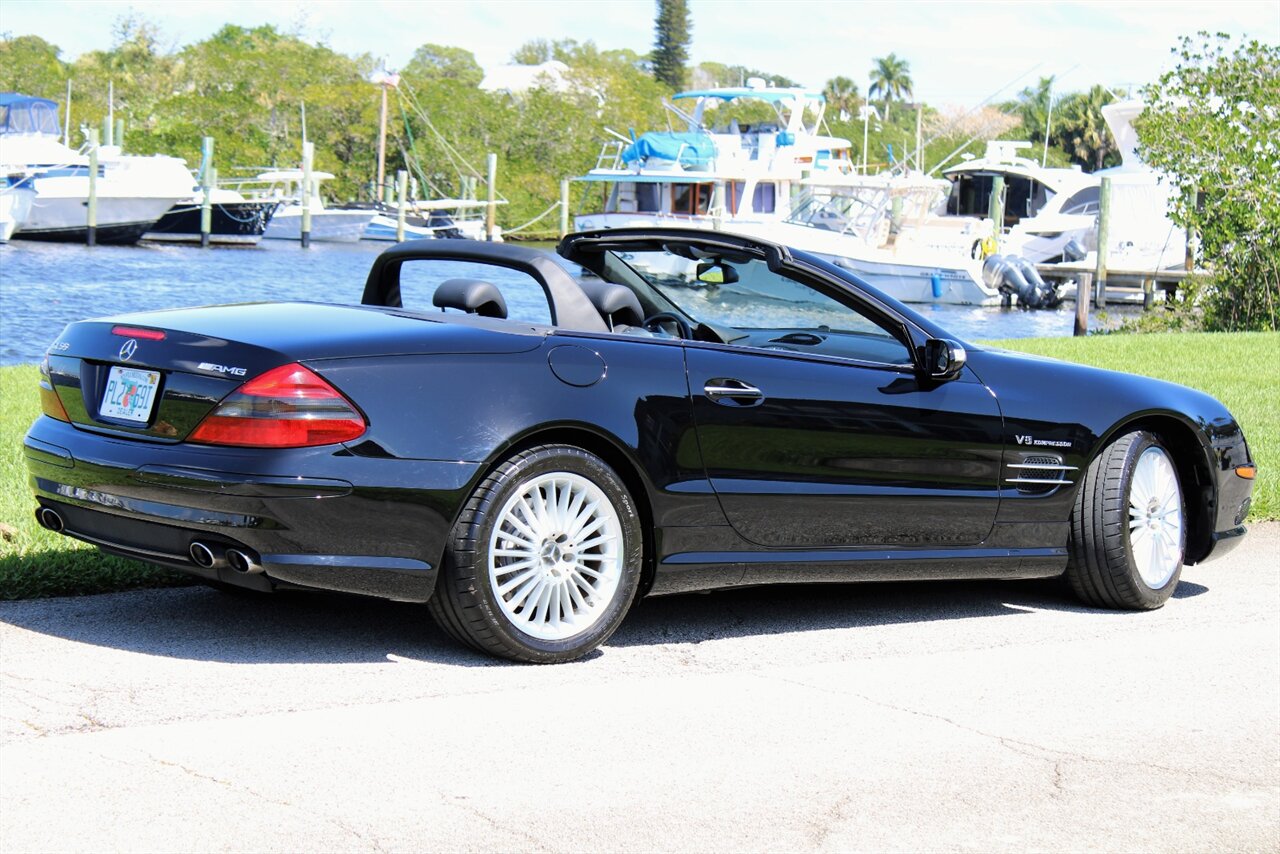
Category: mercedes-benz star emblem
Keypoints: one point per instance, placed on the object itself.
(127, 349)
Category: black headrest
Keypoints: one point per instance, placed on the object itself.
(616, 303)
(472, 296)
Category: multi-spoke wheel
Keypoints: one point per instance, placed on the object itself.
(1128, 531)
(544, 560)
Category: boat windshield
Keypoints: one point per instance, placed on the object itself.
(849, 210)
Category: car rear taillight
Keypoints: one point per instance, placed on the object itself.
(287, 407)
(138, 332)
(50, 403)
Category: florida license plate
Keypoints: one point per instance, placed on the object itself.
(130, 394)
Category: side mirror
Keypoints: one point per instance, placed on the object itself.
(943, 358)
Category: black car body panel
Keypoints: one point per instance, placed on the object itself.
(835, 469)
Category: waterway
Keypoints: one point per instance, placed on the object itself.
(44, 286)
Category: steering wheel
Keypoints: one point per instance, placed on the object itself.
(653, 320)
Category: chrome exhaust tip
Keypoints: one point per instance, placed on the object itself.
(201, 555)
(243, 562)
(50, 520)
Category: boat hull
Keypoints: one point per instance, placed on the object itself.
(329, 225)
(63, 217)
(920, 284)
(234, 223)
(15, 202)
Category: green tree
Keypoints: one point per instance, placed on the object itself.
(671, 42)
(438, 62)
(842, 97)
(1032, 107)
(30, 65)
(1083, 130)
(890, 81)
(1211, 125)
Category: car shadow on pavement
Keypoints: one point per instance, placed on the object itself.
(201, 624)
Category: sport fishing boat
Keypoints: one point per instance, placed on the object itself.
(132, 192)
(736, 161)
(328, 224)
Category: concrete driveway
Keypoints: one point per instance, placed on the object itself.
(976, 716)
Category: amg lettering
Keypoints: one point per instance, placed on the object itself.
(222, 369)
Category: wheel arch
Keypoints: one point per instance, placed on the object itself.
(1193, 460)
(613, 452)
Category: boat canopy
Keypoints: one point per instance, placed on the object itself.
(689, 149)
(764, 94)
(25, 114)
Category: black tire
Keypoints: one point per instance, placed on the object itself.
(1102, 569)
(465, 603)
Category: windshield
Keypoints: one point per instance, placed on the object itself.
(741, 301)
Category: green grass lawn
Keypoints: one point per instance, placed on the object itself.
(1241, 370)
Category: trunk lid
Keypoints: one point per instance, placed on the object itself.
(117, 375)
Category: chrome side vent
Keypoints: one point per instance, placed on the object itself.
(1040, 474)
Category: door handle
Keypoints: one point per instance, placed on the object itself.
(732, 392)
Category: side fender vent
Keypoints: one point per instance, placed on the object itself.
(1039, 474)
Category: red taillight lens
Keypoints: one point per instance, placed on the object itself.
(50, 403)
(138, 332)
(287, 407)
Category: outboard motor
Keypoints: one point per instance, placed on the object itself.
(1012, 275)
(1073, 250)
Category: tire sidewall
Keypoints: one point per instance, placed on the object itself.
(1151, 597)
(591, 467)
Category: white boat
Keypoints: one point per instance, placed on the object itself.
(715, 174)
(132, 192)
(15, 202)
(437, 218)
(327, 224)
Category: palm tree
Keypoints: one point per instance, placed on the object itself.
(1032, 107)
(842, 96)
(890, 80)
(1084, 131)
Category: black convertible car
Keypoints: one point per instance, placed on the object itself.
(529, 452)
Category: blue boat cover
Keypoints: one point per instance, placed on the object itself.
(690, 149)
(24, 114)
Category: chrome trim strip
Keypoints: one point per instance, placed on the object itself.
(1041, 466)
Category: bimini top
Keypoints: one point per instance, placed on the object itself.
(25, 114)
(762, 94)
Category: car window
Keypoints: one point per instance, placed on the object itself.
(524, 297)
(749, 305)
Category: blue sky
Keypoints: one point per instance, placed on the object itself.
(960, 52)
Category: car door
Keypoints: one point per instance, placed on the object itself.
(817, 431)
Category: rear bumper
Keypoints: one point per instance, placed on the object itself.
(313, 517)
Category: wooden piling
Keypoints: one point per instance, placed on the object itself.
(207, 182)
(308, 154)
(564, 207)
(92, 209)
(1084, 286)
(402, 187)
(995, 207)
(118, 139)
(1104, 237)
(491, 212)
(106, 130)
(1148, 294)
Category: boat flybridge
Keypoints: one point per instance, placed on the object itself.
(133, 192)
(737, 160)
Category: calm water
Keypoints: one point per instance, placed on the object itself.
(44, 286)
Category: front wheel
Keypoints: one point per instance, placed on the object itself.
(1128, 528)
(544, 560)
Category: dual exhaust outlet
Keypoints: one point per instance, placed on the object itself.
(202, 554)
(207, 556)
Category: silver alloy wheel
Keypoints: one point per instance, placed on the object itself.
(1155, 518)
(556, 556)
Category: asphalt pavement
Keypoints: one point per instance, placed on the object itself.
(974, 716)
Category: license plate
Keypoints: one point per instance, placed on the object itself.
(130, 394)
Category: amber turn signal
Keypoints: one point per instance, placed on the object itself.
(1247, 472)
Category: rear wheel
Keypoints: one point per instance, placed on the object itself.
(1128, 528)
(544, 560)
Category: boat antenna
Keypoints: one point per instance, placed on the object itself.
(304, 123)
(66, 119)
(1048, 122)
(111, 108)
(974, 108)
